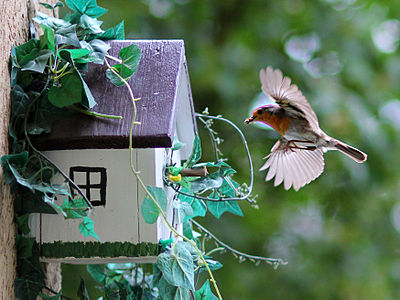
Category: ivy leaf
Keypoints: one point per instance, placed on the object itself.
(52, 7)
(184, 209)
(116, 33)
(27, 202)
(203, 184)
(196, 153)
(68, 54)
(91, 25)
(82, 292)
(47, 40)
(198, 206)
(39, 63)
(17, 160)
(68, 92)
(149, 210)
(98, 49)
(217, 208)
(51, 22)
(130, 56)
(67, 35)
(23, 223)
(86, 227)
(97, 272)
(74, 208)
(212, 264)
(87, 97)
(171, 292)
(205, 293)
(177, 144)
(187, 230)
(24, 246)
(177, 266)
(46, 297)
(88, 7)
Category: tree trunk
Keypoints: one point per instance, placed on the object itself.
(14, 30)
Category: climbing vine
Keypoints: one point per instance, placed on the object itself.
(47, 82)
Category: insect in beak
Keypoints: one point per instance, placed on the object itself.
(249, 120)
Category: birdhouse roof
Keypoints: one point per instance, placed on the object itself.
(162, 84)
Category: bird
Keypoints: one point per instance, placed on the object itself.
(296, 159)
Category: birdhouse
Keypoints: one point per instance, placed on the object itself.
(94, 153)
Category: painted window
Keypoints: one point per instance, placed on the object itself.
(92, 181)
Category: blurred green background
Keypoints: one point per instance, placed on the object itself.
(340, 233)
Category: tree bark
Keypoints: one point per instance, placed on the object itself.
(15, 16)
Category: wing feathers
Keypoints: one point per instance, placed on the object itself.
(280, 89)
(293, 167)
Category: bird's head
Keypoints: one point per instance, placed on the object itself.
(260, 113)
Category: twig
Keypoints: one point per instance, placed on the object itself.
(272, 261)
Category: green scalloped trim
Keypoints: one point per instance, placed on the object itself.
(61, 249)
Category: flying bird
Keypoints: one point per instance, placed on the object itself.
(297, 157)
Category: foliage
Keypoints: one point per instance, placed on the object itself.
(47, 82)
(340, 233)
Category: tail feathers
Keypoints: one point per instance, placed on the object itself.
(351, 152)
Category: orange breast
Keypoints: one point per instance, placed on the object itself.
(279, 123)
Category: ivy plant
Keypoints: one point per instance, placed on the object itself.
(47, 81)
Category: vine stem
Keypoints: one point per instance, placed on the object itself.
(139, 179)
(94, 114)
(44, 156)
(271, 261)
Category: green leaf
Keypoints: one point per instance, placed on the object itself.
(47, 40)
(149, 210)
(217, 208)
(130, 56)
(39, 63)
(87, 97)
(99, 49)
(24, 246)
(91, 25)
(52, 7)
(171, 292)
(51, 22)
(177, 267)
(184, 209)
(68, 92)
(67, 36)
(188, 230)
(26, 52)
(23, 223)
(74, 208)
(16, 160)
(203, 184)
(88, 7)
(116, 33)
(27, 202)
(205, 292)
(196, 153)
(97, 272)
(198, 206)
(56, 297)
(86, 227)
(82, 292)
(212, 264)
(177, 144)
(68, 54)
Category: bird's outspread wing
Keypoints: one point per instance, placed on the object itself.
(287, 95)
(292, 166)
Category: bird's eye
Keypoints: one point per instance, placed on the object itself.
(259, 111)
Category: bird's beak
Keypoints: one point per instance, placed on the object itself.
(249, 120)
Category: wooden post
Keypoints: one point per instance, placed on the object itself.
(14, 30)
